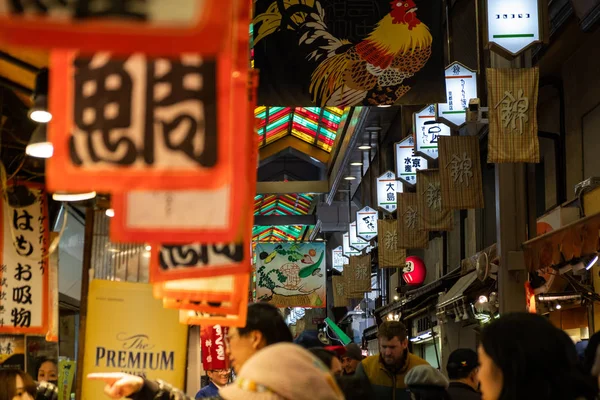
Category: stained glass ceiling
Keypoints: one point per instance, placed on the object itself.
(315, 125)
(274, 204)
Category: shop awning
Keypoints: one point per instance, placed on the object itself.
(457, 291)
(573, 241)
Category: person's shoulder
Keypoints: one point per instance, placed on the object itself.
(416, 360)
(371, 360)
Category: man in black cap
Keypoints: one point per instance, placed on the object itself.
(351, 359)
(462, 368)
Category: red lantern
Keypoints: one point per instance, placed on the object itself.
(414, 272)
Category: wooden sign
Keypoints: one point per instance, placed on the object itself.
(512, 100)
(150, 26)
(390, 255)
(411, 232)
(429, 195)
(460, 172)
(24, 270)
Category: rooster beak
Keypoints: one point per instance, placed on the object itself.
(414, 9)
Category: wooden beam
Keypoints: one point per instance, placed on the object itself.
(292, 187)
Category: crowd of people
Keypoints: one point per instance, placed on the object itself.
(521, 356)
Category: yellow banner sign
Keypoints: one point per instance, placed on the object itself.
(130, 331)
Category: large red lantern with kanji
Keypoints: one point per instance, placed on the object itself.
(414, 272)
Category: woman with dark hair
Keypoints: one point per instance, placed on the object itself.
(47, 370)
(523, 356)
(329, 358)
(16, 385)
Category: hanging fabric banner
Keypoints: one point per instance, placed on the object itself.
(358, 279)
(291, 274)
(214, 350)
(150, 26)
(339, 291)
(53, 294)
(24, 272)
(512, 101)
(390, 256)
(411, 232)
(342, 54)
(460, 172)
(429, 194)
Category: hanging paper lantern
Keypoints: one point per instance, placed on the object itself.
(414, 272)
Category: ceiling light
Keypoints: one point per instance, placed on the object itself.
(356, 164)
(364, 147)
(350, 178)
(110, 213)
(39, 112)
(39, 146)
(73, 196)
(319, 239)
(396, 298)
(558, 306)
(384, 105)
(148, 248)
(483, 299)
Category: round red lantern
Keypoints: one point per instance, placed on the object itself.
(414, 272)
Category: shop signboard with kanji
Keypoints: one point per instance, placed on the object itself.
(24, 275)
(407, 163)
(338, 259)
(514, 25)
(387, 189)
(348, 251)
(461, 86)
(150, 26)
(427, 131)
(366, 223)
(214, 350)
(355, 241)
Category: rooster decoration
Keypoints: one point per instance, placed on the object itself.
(370, 72)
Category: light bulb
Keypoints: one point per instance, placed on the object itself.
(110, 213)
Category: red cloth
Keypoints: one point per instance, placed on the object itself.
(214, 355)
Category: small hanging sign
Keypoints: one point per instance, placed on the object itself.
(358, 243)
(366, 223)
(348, 251)
(387, 189)
(338, 258)
(513, 26)
(427, 131)
(407, 163)
(461, 86)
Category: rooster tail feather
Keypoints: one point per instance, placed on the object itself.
(327, 78)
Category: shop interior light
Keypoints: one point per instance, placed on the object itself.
(396, 298)
(384, 105)
(558, 306)
(148, 248)
(356, 164)
(483, 299)
(39, 146)
(592, 262)
(110, 213)
(73, 196)
(350, 178)
(364, 147)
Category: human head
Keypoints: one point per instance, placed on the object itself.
(463, 366)
(329, 358)
(393, 343)
(47, 371)
(426, 383)
(219, 377)
(351, 359)
(283, 371)
(16, 385)
(264, 326)
(523, 356)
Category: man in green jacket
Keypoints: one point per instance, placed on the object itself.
(386, 370)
